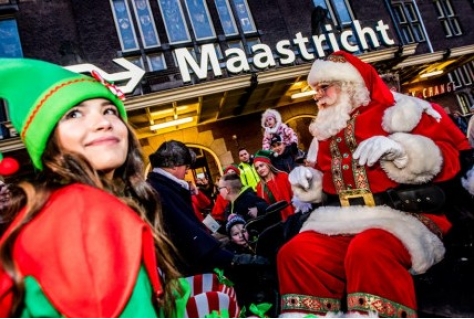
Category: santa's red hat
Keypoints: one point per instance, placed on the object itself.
(344, 67)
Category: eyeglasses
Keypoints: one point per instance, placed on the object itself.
(322, 89)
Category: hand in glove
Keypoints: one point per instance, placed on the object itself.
(300, 176)
(306, 184)
(380, 148)
(247, 259)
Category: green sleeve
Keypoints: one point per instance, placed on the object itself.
(37, 305)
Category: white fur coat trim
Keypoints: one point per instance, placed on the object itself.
(424, 160)
(468, 181)
(425, 248)
(405, 115)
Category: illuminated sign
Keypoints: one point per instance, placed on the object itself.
(435, 90)
(355, 39)
(131, 76)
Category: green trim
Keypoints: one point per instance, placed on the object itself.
(386, 308)
(36, 304)
(310, 304)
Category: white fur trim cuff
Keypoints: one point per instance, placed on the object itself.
(468, 182)
(424, 160)
(425, 248)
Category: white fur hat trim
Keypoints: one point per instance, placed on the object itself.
(329, 71)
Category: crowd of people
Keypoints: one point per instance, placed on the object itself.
(90, 235)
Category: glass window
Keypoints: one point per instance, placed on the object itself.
(447, 18)
(200, 19)
(405, 14)
(191, 51)
(235, 45)
(466, 75)
(342, 11)
(146, 23)
(10, 45)
(251, 43)
(456, 79)
(463, 100)
(156, 62)
(339, 10)
(175, 25)
(220, 56)
(244, 16)
(138, 61)
(124, 25)
(226, 17)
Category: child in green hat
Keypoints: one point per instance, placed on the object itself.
(81, 244)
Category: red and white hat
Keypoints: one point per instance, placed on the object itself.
(210, 296)
(344, 67)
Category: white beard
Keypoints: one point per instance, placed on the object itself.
(332, 119)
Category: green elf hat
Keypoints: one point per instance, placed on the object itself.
(264, 156)
(39, 93)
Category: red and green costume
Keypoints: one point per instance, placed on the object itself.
(85, 254)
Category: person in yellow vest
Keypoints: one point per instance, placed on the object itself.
(248, 174)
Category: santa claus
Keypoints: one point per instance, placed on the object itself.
(378, 159)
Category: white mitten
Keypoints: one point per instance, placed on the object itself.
(468, 181)
(306, 184)
(380, 148)
(301, 177)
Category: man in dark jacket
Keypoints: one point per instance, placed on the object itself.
(199, 251)
(242, 200)
(284, 155)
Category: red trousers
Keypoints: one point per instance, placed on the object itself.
(370, 269)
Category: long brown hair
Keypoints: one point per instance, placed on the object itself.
(128, 184)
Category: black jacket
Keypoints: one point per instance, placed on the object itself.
(200, 251)
(286, 161)
(246, 199)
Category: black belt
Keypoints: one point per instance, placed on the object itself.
(417, 199)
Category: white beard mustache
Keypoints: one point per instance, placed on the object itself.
(332, 119)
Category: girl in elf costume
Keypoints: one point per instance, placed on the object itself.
(274, 185)
(81, 244)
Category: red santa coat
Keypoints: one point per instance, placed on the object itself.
(340, 248)
(369, 123)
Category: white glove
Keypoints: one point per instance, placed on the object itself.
(300, 176)
(306, 184)
(380, 148)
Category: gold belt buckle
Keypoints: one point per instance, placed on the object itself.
(366, 195)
